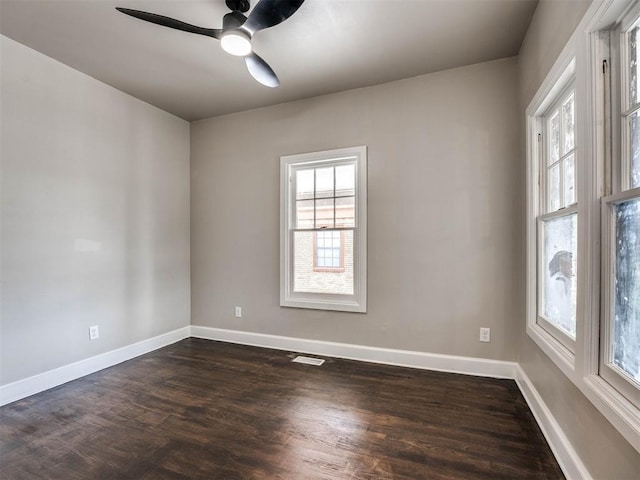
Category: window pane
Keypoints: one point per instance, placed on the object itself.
(568, 124)
(569, 180)
(634, 127)
(322, 258)
(626, 327)
(554, 137)
(554, 188)
(345, 180)
(335, 238)
(307, 279)
(304, 184)
(324, 213)
(345, 212)
(304, 214)
(634, 79)
(324, 182)
(559, 272)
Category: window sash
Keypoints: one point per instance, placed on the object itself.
(626, 160)
(545, 165)
(293, 193)
(610, 372)
(563, 337)
(628, 106)
(326, 299)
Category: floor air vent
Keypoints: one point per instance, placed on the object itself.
(308, 360)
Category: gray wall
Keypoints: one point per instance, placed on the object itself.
(443, 155)
(604, 451)
(95, 216)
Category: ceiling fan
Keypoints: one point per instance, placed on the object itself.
(237, 30)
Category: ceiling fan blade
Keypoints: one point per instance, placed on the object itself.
(261, 71)
(268, 13)
(171, 22)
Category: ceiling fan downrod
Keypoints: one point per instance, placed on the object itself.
(238, 5)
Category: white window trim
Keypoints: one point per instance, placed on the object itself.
(582, 367)
(559, 347)
(346, 303)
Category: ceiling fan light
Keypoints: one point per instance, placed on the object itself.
(236, 43)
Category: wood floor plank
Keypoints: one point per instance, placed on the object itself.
(200, 409)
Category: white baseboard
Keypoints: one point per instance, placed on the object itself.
(44, 381)
(404, 358)
(567, 458)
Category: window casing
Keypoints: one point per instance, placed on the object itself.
(554, 210)
(323, 230)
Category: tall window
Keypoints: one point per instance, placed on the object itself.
(583, 219)
(557, 219)
(323, 237)
(620, 352)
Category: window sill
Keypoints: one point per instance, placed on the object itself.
(561, 356)
(329, 269)
(619, 411)
(318, 304)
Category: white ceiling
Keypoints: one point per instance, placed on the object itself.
(326, 46)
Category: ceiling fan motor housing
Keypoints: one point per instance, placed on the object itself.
(233, 20)
(238, 5)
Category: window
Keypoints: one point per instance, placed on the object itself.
(583, 213)
(558, 223)
(620, 350)
(323, 230)
(556, 213)
(329, 251)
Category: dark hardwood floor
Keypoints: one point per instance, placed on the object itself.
(210, 410)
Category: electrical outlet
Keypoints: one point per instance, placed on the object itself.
(485, 334)
(94, 332)
(238, 312)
